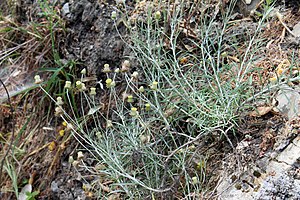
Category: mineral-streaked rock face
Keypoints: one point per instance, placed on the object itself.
(276, 174)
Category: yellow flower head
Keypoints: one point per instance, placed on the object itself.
(130, 99)
(147, 107)
(134, 112)
(61, 132)
(110, 83)
(106, 68)
(154, 85)
(51, 146)
(273, 79)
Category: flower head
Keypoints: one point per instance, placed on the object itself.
(154, 85)
(78, 84)
(68, 85)
(134, 112)
(110, 83)
(59, 101)
(93, 91)
(195, 180)
(80, 155)
(61, 132)
(113, 15)
(83, 71)
(106, 68)
(130, 99)
(141, 89)
(125, 66)
(273, 79)
(37, 79)
(51, 146)
(147, 107)
(157, 15)
(109, 124)
(117, 70)
(58, 111)
(135, 75)
(279, 71)
(224, 54)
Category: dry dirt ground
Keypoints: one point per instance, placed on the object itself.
(90, 39)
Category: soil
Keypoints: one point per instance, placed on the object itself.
(92, 40)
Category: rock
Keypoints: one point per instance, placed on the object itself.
(296, 30)
(278, 182)
(288, 101)
(248, 2)
(291, 153)
(283, 187)
(65, 9)
(54, 186)
(245, 7)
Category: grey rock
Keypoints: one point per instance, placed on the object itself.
(245, 7)
(288, 101)
(296, 30)
(65, 9)
(283, 187)
(54, 186)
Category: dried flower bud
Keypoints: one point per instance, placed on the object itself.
(109, 124)
(145, 139)
(125, 66)
(75, 163)
(58, 111)
(117, 70)
(78, 85)
(141, 89)
(120, 2)
(93, 91)
(59, 101)
(68, 85)
(113, 15)
(80, 155)
(154, 85)
(83, 88)
(37, 79)
(106, 69)
(83, 71)
(99, 135)
(69, 128)
(71, 159)
(195, 180)
(135, 75)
